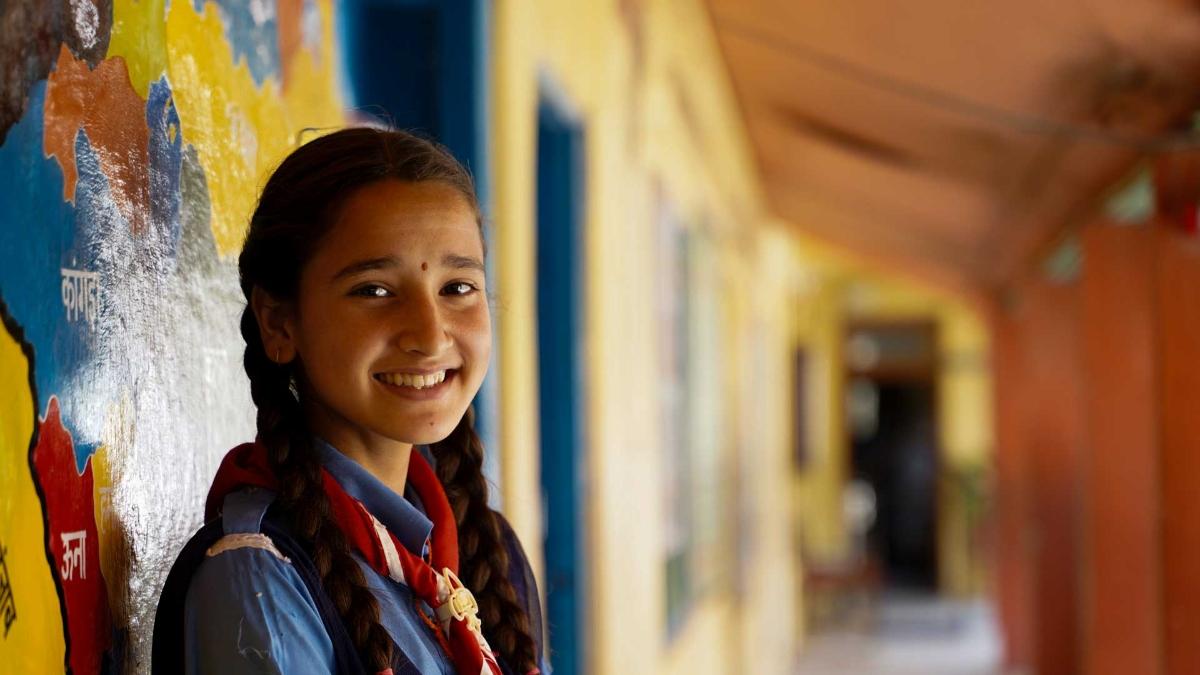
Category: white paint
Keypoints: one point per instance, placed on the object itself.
(261, 11)
(74, 555)
(87, 22)
(80, 293)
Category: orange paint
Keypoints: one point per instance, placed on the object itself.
(289, 14)
(103, 103)
(1177, 279)
(1120, 583)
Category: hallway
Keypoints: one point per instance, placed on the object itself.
(908, 635)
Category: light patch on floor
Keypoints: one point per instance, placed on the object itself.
(908, 635)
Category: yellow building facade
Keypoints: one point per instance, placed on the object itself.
(116, 257)
(660, 124)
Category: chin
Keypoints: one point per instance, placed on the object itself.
(424, 434)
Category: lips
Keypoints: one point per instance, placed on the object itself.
(417, 385)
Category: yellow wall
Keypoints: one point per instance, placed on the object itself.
(841, 290)
(669, 118)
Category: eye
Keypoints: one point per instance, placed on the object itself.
(371, 291)
(459, 288)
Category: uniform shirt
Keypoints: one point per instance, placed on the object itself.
(248, 611)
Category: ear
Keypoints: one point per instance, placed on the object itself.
(276, 325)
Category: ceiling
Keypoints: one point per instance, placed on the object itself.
(955, 140)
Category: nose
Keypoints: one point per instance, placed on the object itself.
(421, 325)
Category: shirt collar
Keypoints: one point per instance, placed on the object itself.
(397, 514)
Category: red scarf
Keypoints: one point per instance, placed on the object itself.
(459, 629)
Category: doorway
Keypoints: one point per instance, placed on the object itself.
(892, 400)
(560, 278)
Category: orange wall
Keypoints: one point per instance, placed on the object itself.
(1122, 627)
(1012, 546)
(1039, 467)
(1055, 447)
(1098, 463)
(1178, 296)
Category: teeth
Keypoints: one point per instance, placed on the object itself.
(414, 381)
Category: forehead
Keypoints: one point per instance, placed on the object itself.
(402, 219)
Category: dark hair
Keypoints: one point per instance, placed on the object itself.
(297, 207)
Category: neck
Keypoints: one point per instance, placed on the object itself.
(383, 457)
(388, 464)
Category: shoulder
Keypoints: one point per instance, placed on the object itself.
(248, 610)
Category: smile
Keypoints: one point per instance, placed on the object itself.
(413, 381)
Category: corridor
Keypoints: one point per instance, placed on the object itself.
(907, 635)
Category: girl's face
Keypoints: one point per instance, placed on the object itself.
(392, 325)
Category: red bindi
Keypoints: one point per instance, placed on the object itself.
(424, 266)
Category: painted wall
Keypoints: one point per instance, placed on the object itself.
(1097, 527)
(660, 123)
(132, 142)
(134, 137)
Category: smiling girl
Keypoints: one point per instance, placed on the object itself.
(336, 542)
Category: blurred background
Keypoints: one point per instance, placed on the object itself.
(839, 337)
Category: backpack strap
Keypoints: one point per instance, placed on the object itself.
(246, 514)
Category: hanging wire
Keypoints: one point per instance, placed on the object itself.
(929, 96)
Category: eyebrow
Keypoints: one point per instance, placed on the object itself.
(462, 262)
(451, 260)
(366, 265)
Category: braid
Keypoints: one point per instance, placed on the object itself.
(483, 557)
(281, 429)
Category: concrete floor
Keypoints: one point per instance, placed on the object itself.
(907, 635)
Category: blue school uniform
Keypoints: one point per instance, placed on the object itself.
(251, 604)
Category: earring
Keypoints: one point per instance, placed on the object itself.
(277, 355)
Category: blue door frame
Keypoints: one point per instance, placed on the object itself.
(422, 65)
(560, 264)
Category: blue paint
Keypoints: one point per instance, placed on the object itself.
(98, 225)
(166, 160)
(390, 53)
(560, 274)
(36, 226)
(423, 65)
(41, 233)
(256, 42)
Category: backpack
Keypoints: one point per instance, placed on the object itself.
(250, 506)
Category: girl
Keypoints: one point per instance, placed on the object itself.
(336, 542)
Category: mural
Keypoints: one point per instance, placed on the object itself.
(133, 137)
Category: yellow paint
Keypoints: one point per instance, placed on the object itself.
(674, 124)
(34, 643)
(846, 289)
(240, 131)
(312, 89)
(139, 36)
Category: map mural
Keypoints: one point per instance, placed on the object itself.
(133, 137)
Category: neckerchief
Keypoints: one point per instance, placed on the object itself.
(455, 608)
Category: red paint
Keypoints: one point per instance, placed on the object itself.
(69, 507)
(1177, 189)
